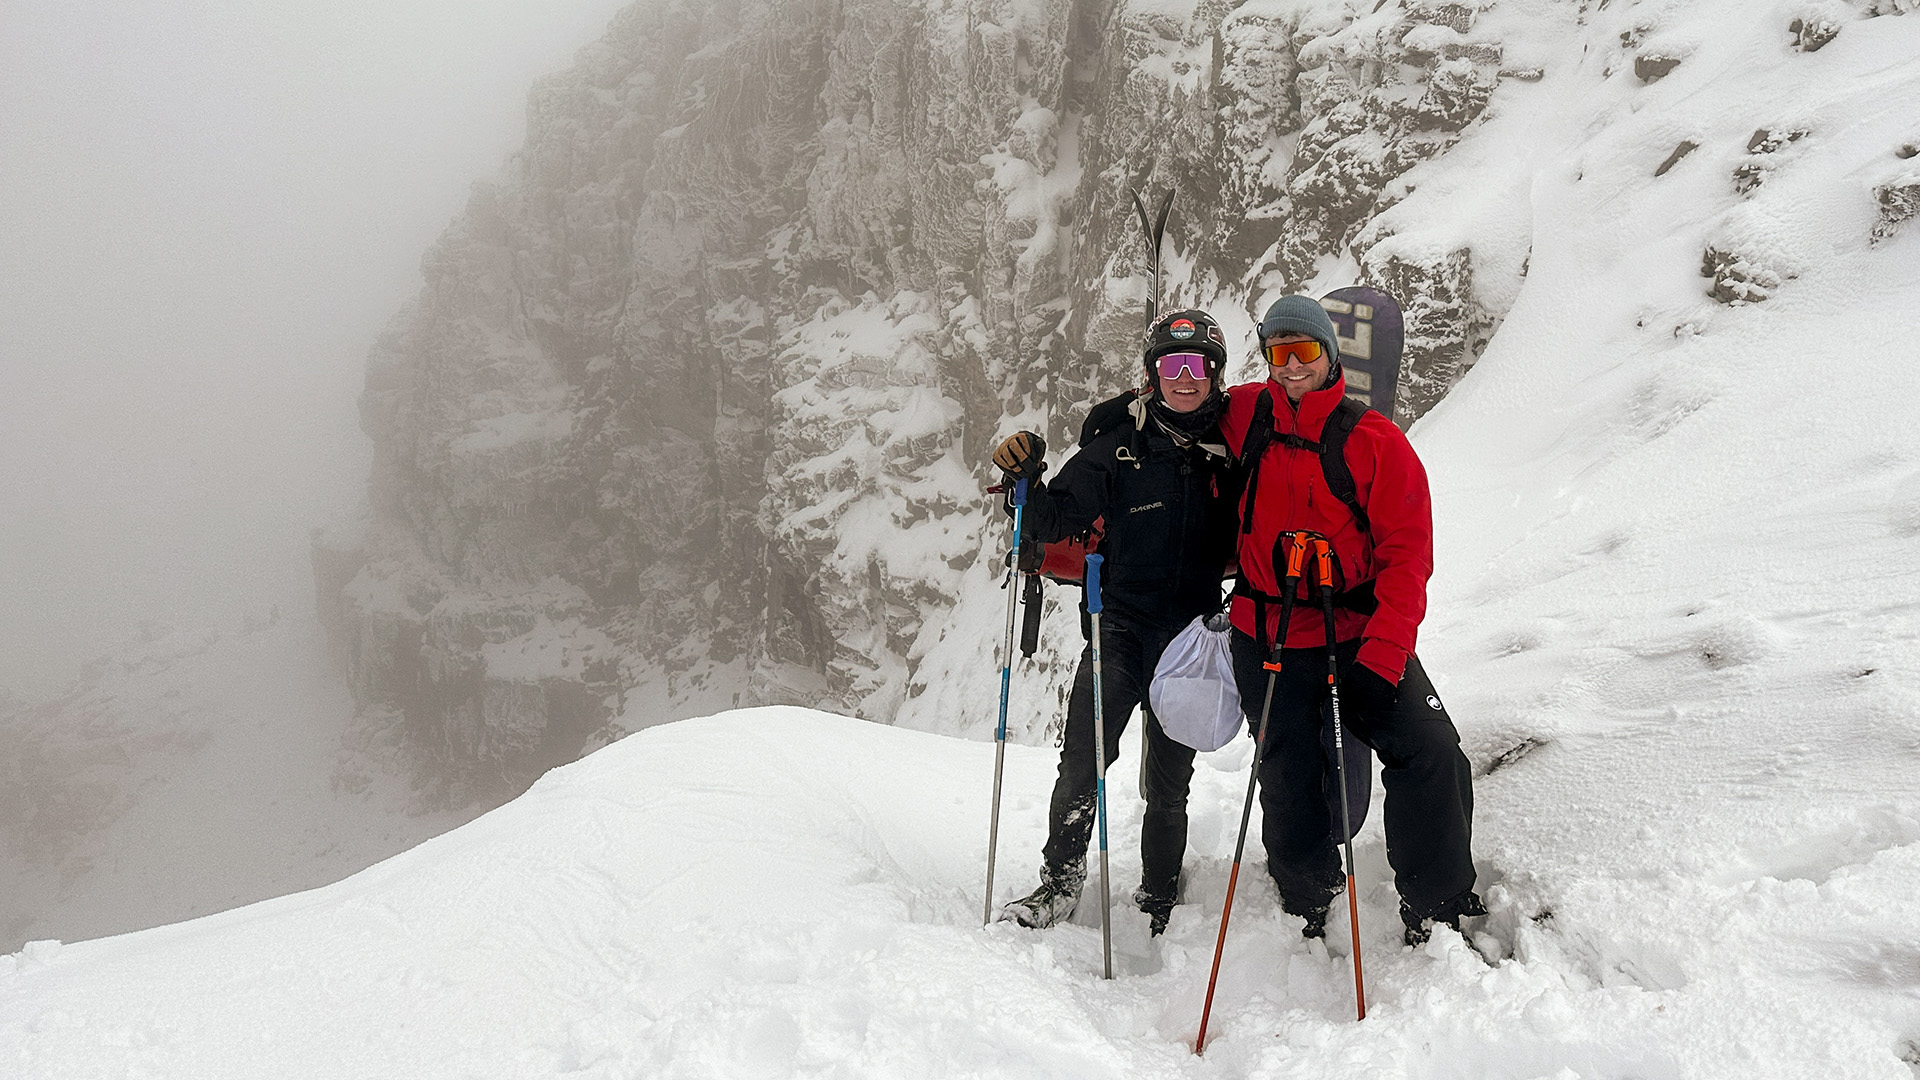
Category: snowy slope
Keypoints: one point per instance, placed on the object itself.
(779, 892)
(189, 774)
(1676, 615)
(1686, 528)
(1679, 591)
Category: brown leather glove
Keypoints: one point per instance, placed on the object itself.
(1022, 456)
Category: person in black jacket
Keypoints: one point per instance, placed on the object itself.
(1159, 476)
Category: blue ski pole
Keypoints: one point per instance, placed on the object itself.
(1100, 766)
(1006, 685)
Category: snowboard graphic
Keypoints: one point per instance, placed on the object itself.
(1372, 336)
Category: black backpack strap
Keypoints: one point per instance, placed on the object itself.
(1333, 466)
(1360, 599)
(1260, 602)
(1333, 459)
(1252, 449)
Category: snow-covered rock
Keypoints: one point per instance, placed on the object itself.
(707, 380)
(724, 349)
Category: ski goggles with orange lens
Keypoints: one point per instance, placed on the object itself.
(1279, 352)
(1172, 364)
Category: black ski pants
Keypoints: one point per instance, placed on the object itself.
(1128, 654)
(1429, 806)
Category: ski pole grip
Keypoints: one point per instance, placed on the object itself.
(1323, 562)
(1093, 583)
(1020, 492)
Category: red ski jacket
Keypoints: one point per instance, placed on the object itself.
(1395, 556)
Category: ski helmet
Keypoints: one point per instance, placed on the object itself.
(1186, 330)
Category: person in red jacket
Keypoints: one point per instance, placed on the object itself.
(1383, 550)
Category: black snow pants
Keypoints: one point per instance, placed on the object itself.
(1128, 654)
(1429, 785)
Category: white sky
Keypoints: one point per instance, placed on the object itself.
(207, 210)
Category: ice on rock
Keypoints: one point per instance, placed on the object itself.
(727, 360)
(724, 348)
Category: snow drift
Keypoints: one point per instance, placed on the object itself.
(779, 892)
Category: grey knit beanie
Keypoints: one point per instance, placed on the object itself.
(1301, 315)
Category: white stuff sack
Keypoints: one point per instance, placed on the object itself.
(1193, 692)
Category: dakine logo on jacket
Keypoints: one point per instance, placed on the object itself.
(1150, 506)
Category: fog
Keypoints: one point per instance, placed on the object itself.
(208, 208)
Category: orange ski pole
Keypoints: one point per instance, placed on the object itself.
(1296, 562)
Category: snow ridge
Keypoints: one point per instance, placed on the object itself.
(645, 912)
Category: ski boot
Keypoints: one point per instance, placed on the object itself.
(1313, 912)
(1316, 923)
(1450, 911)
(1053, 902)
(1159, 908)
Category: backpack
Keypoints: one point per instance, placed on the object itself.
(1333, 466)
(1331, 448)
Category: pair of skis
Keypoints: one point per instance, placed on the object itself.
(1154, 230)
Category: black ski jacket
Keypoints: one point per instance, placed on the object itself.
(1171, 519)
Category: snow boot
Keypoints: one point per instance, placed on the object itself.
(1316, 926)
(1450, 911)
(1054, 901)
(1158, 907)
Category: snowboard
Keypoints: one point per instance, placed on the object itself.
(1372, 336)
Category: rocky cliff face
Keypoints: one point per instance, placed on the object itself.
(696, 399)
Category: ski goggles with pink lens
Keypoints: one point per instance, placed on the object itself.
(1172, 364)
